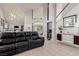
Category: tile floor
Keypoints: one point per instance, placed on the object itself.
(52, 49)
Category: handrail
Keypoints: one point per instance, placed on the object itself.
(62, 10)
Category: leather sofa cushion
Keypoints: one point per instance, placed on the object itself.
(36, 41)
(21, 44)
(8, 53)
(7, 35)
(5, 48)
(34, 37)
(7, 40)
(18, 39)
(20, 34)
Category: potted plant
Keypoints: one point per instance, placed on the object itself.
(60, 28)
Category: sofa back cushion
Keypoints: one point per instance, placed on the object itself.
(7, 41)
(20, 34)
(4, 35)
(19, 39)
(27, 34)
(34, 34)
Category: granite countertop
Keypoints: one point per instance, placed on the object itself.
(70, 34)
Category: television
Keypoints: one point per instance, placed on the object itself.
(16, 26)
(69, 21)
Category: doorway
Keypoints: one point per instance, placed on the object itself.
(49, 30)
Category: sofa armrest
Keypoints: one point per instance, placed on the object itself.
(42, 38)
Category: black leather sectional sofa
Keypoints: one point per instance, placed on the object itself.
(16, 42)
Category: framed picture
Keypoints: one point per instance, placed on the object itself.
(69, 21)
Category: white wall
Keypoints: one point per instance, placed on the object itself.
(45, 20)
(53, 14)
(71, 9)
(1, 13)
(38, 12)
(1, 16)
(38, 19)
(28, 21)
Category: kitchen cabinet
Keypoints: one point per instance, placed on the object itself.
(76, 40)
(59, 37)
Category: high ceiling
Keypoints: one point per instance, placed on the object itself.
(17, 10)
